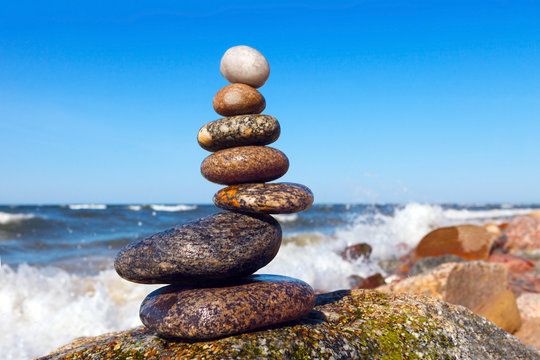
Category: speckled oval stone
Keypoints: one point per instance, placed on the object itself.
(207, 313)
(240, 130)
(245, 164)
(221, 246)
(238, 99)
(273, 198)
(244, 64)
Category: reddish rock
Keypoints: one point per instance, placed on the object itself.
(356, 251)
(529, 333)
(520, 283)
(371, 282)
(523, 233)
(514, 264)
(245, 164)
(467, 241)
(238, 99)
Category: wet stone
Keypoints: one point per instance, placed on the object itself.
(273, 198)
(207, 313)
(245, 164)
(209, 250)
(240, 130)
(238, 99)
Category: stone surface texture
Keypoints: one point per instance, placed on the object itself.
(238, 99)
(244, 64)
(218, 247)
(208, 313)
(344, 325)
(245, 164)
(274, 198)
(523, 233)
(529, 305)
(529, 333)
(471, 242)
(240, 130)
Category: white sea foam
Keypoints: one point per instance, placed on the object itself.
(44, 308)
(286, 218)
(87, 206)
(173, 207)
(485, 214)
(6, 218)
(134, 207)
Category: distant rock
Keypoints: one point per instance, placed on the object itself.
(520, 283)
(467, 241)
(471, 284)
(529, 305)
(501, 308)
(523, 233)
(356, 324)
(514, 263)
(371, 282)
(356, 251)
(529, 333)
(431, 262)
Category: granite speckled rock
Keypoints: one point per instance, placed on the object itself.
(244, 64)
(273, 198)
(245, 164)
(207, 313)
(358, 324)
(238, 99)
(211, 249)
(240, 130)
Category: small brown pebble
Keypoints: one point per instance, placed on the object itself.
(245, 164)
(238, 99)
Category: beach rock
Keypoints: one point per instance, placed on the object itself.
(529, 306)
(467, 241)
(244, 64)
(529, 333)
(514, 263)
(357, 324)
(356, 251)
(371, 282)
(520, 283)
(523, 234)
(211, 249)
(209, 313)
(468, 283)
(240, 130)
(245, 164)
(238, 99)
(274, 198)
(431, 262)
(502, 309)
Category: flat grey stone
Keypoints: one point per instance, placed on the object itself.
(209, 250)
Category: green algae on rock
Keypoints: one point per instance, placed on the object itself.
(355, 324)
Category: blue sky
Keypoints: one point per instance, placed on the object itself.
(379, 101)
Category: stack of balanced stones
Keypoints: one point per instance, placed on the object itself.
(209, 262)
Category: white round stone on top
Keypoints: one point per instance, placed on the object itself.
(244, 64)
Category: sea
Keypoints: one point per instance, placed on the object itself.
(57, 280)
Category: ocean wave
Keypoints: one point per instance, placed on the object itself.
(286, 218)
(466, 214)
(134, 207)
(7, 218)
(87, 206)
(44, 308)
(173, 208)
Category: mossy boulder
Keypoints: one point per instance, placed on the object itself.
(357, 324)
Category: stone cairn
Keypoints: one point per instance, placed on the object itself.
(209, 262)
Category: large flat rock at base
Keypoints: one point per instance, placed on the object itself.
(357, 324)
